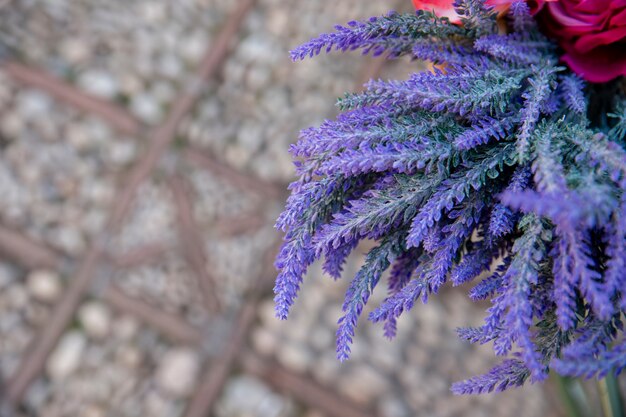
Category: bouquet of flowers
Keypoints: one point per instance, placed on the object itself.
(504, 165)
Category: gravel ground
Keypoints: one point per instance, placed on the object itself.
(109, 366)
(61, 172)
(407, 376)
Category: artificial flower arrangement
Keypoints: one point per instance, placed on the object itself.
(504, 165)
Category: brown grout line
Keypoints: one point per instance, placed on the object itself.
(302, 388)
(228, 227)
(34, 358)
(262, 188)
(34, 361)
(28, 252)
(171, 325)
(192, 246)
(139, 256)
(219, 369)
(164, 134)
(66, 92)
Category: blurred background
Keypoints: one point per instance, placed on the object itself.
(143, 160)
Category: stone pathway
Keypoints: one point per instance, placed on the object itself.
(143, 160)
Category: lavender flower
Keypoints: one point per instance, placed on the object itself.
(489, 168)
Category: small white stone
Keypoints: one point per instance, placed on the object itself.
(67, 356)
(96, 319)
(152, 12)
(264, 341)
(122, 153)
(100, 192)
(363, 384)
(170, 66)
(250, 137)
(393, 407)
(326, 369)
(193, 48)
(247, 396)
(130, 84)
(44, 285)
(178, 371)
(295, 357)
(155, 404)
(277, 21)
(33, 104)
(258, 77)
(69, 239)
(74, 50)
(12, 125)
(99, 83)
(146, 108)
(164, 92)
(237, 156)
(77, 136)
(94, 411)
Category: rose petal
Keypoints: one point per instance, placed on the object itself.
(441, 8)
(600, 65)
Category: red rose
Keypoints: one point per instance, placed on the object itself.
(592, 33)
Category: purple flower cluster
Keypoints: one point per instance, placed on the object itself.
(489, 171)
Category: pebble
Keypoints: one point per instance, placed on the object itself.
(131, 84)
(78, 137)
(33, 104)
(94, 411)
(363, 384)
(326, 369)
(393, 407)
(44, 285)
(177, 372)
(122, 152)
(99, 83)
(69, 239)
(74, 50)
(153, 12)
(296, 357)
(194, 47)
(156, 405)
(258, 77)
(247, 396)
(170, 66)
(146, 108)
(12, 125)
(237, 156)
(67, 356)
(95, 318)
(264, 341)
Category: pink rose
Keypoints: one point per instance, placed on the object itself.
(445, 8)
(441, 8)
(592, 33)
